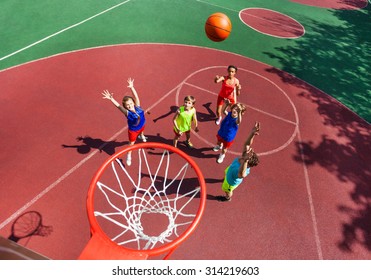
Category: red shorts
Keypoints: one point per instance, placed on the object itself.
(220, 100)
(133, 135)
(225, 143)
(177, 133)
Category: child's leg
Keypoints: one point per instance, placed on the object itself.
(218, 111)
(222, 155)
(225, 107)
(188, 137)
(228, 195)
(175, 141)
(128, 157)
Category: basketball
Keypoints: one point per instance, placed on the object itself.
(218, 27)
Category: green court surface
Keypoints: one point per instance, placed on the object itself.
(333, 55)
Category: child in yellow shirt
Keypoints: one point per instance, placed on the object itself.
(183, 119)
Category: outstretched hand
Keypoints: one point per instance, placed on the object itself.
(107, 95)
(130, 83)
(256, 128)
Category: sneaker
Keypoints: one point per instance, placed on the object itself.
(189, 144)
(220, 158)
(144, 138)
(217, 148)
(128, 160)
(217, 122)
(223, 198)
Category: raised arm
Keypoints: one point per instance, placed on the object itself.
(238, 88)
(107, 95)
(250, 138)
(218, 79)
(133, 91)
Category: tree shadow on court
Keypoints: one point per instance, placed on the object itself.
(336, 59)
(89, 143)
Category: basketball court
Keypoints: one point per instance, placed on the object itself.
(307, 199)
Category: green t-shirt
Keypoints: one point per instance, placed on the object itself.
(184, 119)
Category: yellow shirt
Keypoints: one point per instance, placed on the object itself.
(184, 119)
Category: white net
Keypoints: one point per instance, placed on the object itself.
(145, 207)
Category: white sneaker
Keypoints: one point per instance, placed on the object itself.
(144, 138)
(217, 148)
(128, 160)
(217, 122)
(220, 158)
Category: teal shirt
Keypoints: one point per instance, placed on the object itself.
(232, 173)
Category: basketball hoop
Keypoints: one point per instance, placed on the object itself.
(146, 209)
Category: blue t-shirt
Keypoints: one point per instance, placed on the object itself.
(228, 128)
(133, 119)
(232, 173)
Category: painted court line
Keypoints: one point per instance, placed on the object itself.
(73, 169)
(310, 200)
(63, 30)
(251, 107)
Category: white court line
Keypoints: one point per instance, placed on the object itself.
(217, 6)
(310, 200)
(251, 107)
(73, 169)
(296, 132)
(242, 12)
(296, 124)
(63, 30)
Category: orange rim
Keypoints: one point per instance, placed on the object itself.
(95, 227)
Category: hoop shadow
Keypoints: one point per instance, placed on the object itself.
(27, 225)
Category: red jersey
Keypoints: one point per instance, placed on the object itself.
(227, 90)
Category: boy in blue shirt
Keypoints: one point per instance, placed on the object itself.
(240, 167)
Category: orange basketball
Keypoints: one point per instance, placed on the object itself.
(218, 27)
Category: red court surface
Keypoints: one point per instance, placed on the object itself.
(335, 4)
(307, 199)
(272, 23)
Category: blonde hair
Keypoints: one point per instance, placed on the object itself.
(239, 107)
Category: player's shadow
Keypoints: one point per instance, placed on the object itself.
(194, 152)
(206, 117)
(201, 116)
(88, 143)
(171, 111)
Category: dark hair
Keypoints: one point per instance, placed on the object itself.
(253, 160)
(232, 66)
(190, 98)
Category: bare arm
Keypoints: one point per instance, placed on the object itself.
(107, 95)
(133, 91)
(242, 170)
(250, 138)
(239, 118)
(238, 88)
(174, 120)
(195, 121)
(218, 79)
